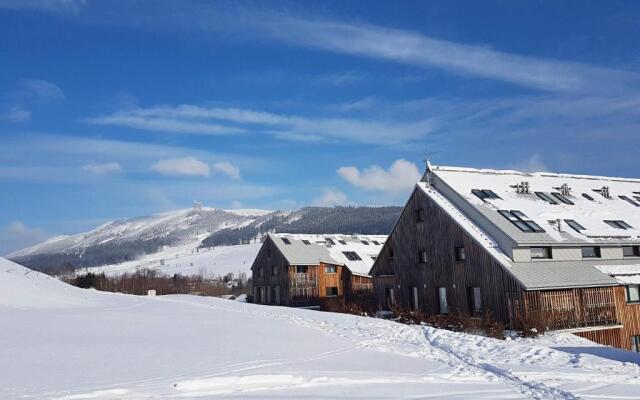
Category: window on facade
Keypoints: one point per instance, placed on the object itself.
(629, 200)
(364, 242)
(351, 255)
(635, 343)
(460, 254)
(521, 221)
(274, 271)
(301, 269)
(330, 269)
(442, 300)
(631, 251)
(389, 297)
(618, 224)
(305, 241)
(332, 291)
(422, 257)
(588, 197)
(420, 215)
(562, 198)
(574, 225)
(485, 194)
(390, 251)
(329, 241)
(540, 252)
(633, 293)
(546, 197)
(342, 241)
(415, 305)
(260, 272)
(590, 252)
(275, 295)
(475, 300)
(286, 241)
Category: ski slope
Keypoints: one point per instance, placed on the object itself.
(188, 259)
(92, 345)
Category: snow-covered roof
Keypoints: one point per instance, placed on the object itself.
(532, 275)
(305, 249)
(625, 274)
(591, 214)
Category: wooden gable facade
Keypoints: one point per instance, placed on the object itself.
(431, 264)
(277, 282)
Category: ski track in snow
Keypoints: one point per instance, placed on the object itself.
(435, 344)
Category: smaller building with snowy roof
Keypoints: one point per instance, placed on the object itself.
(558, 248)
(302, 270)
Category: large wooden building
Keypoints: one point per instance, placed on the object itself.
(561, 249)
(310, 270)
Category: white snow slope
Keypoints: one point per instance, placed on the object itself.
(92, 345)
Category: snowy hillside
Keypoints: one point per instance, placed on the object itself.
(194, 348)
(188, 259)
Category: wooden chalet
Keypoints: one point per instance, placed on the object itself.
(311, 270)
(561, 249)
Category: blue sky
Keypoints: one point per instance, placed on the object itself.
(113, 109)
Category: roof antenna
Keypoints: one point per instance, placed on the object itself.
(427, 167)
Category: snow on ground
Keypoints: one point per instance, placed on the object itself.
(113, 346)
(189, 260)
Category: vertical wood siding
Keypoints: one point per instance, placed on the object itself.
(628, 315)
(439, 236)
(608, 337)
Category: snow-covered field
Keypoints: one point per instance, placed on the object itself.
(189, 260)
(60, 342)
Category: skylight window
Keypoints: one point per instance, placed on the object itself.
(330, 241)
(286, 240)
(546, 197)
(562, 198)
(630, 201)
(375, 242)
(351, 255)
(618, 224)
(586, 196)
(484, 194)
(521, 221)
(306, 241)
(342, 242)
(364, 242)
(575, 226)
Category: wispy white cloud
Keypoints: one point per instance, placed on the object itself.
(38, 89)
(102, 169)
(402, 175)
(226, 168)
(16, 114)
(418, 50)
(43, 5)
(187, 166)
(330, 197)
(17, 235)
(196, 119)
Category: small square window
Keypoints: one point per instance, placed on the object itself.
(420, 215)
(301, 269)
(330, 269)
(460, 254)
(631, 251)
(635, 343)
(332, 291)
(540, 252)
(422, 257)
(390, 251)
(633, 294)
(591, 252)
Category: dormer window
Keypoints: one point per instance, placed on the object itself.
(631, 251)
(546, 198)
(630, 201)
(618, 224)
(562, 198)
(485, 194)
(521, 221)
(590, 252)
(575, 225)
(540, 252)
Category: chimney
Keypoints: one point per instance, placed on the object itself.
(565, 190)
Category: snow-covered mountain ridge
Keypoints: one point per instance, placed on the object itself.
(131, 241)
